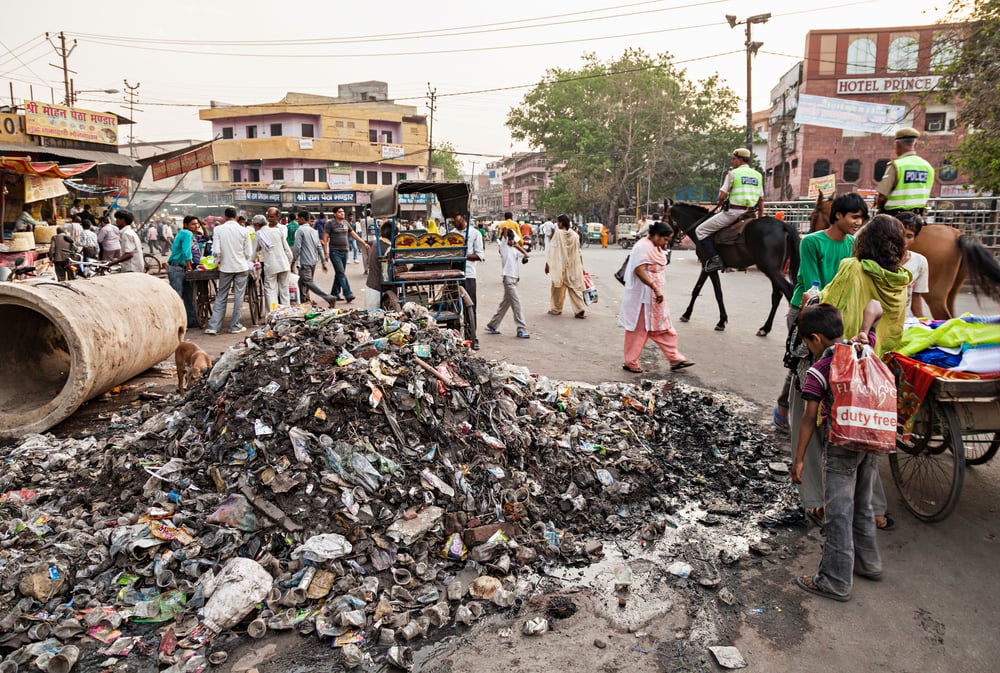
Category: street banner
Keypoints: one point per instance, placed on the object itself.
(826, 184)
(59, 121)
(183, 163)
(850, 115)
(37, 188)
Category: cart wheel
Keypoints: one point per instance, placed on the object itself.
(255, 298)
(981, 447)
(204, 298)
(153, 265)
(928, 468)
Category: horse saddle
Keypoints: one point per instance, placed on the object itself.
(733, 234)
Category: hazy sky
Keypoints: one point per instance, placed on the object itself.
(187, 52)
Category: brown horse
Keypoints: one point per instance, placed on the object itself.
(951, 257)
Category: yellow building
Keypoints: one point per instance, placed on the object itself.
(313, 152)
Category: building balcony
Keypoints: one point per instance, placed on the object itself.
(326, 149)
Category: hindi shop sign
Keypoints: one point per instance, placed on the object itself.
(393, 151)
(59, 121)
(183, 163)
(256, 196)
(37, 188)
(852, 115)
(325, 197)
(919, 84)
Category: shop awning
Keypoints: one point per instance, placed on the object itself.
(96, 157)
(44, 169)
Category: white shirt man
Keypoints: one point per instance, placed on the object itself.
(232, 251)
(548, 229)
(271, 243)
(474, 250)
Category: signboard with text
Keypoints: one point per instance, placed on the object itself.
(59, 121)
(873, 85)
(392, 151)
(256, 196)
(183, 163)
(826, 184)
(852, 115)
(12, 129)
(37, 188)
(324, 197)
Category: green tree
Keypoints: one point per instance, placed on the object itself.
(635, 120)
(443, 157)
(973, 76)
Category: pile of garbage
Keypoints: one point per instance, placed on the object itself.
(357, 475)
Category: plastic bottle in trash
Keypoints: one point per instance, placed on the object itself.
(811, 293)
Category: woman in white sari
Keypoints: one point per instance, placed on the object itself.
(644, 313)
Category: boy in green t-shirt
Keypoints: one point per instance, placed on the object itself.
(820, 254)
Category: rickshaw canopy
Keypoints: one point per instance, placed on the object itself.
(453, 197)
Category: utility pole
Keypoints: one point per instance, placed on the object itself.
(63, 52)
(132, 92)
(752, 48)
(432, 94)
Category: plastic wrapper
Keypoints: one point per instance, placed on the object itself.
(233, 593)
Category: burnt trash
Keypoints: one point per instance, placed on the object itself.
(362, 477)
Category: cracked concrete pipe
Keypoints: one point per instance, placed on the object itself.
(62, 344)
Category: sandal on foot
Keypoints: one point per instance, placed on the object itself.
(871, 577)
(806, 584)
(780, 420)
(555, 312)
(683, 364)
(634, 370)
(887, 524)
(581, 315)
(816, 515)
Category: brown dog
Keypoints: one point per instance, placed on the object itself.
(191, 361)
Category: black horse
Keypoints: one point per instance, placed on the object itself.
(767, 243)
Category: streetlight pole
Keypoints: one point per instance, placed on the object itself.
(752, 48)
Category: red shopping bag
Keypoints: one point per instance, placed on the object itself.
(863, 415)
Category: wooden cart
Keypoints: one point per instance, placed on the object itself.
(206, 284)
(957, 425)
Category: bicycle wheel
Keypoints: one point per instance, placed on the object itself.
(153, 265)
(928, 467)
(980, 447)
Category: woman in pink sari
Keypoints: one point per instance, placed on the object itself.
(644, 314)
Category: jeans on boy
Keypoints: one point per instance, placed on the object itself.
(849, 529)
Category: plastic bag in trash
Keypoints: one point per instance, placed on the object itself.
(233, 593)
(236, 512)
(325, 547)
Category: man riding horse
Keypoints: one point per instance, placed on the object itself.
(743, 190)
(908, 178)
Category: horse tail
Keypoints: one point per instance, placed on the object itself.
(792, 251)
(982, 267)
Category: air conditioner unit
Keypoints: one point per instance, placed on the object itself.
(952, 123)
(936, 125)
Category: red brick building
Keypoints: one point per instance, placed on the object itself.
(890, 66)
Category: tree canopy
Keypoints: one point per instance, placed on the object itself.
(635, 120)
(443, 157)
(974, 77)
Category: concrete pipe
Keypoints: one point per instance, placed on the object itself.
(62, 344)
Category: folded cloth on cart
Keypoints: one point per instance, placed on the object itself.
(964, 331)
(914, 379)
(966, 358)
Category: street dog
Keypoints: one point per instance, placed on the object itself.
(191, 361)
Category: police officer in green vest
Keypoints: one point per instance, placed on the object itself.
(741, 194)
(908, 178)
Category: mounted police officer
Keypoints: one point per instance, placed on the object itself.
(908, 178)
(741, 195)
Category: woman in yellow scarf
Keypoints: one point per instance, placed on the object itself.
(875, 272)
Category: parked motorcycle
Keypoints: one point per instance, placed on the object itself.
(13, 273)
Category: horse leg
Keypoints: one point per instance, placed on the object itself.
(723, 316)
(776, 295)
(956, 288)
(694, 295)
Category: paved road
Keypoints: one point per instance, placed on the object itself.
(937, 608)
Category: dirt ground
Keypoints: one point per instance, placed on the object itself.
(935, 611)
